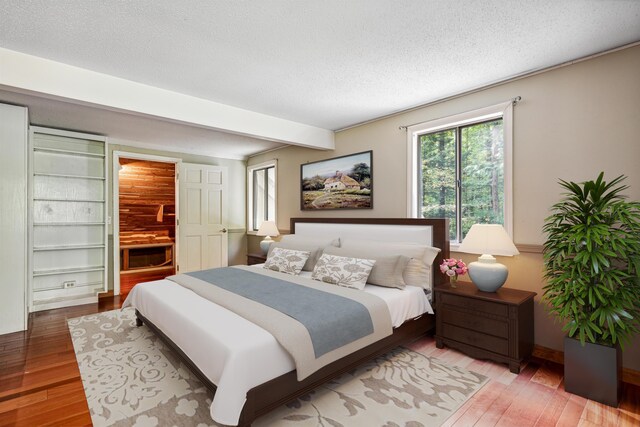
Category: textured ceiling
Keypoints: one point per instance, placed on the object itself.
(329, 63)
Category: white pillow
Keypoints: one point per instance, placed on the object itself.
(418, 271)
(314, 245)
(388, 269)
(343, 271)
(286, 261)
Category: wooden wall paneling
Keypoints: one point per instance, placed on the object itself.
(147, 213)
(128, 281)
(147, 191)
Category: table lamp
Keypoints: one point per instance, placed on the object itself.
(268, 229)
(488, 240)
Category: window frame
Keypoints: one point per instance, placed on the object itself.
(250, 192)
(504, 110)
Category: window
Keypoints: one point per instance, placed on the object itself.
(460, 168)
(261, 183)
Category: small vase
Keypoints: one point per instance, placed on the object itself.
(453, 280)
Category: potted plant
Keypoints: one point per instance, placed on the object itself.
(592, 267)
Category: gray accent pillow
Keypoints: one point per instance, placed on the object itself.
(343, 271)
(313, 245)
(388, 269)
(286, 261)
(418, 271)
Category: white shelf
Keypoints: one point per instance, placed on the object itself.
(67, 152)
(76, 286)
(66, 247)
(66, 224)
(59, 175)
(42, 199)
(56, 271)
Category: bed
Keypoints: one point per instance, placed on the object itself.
(248, 371)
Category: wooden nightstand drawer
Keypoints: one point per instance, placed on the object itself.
(488, 307)
(256, 259)
(487, 325)
(476, 339)
(498, 328)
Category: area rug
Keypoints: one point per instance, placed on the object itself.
(131, 378)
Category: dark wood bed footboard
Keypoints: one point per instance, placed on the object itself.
(140, 320)
(278, 391)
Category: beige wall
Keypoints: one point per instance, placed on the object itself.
(236, 219)
(572, 123)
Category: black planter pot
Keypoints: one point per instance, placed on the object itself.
(593, 371)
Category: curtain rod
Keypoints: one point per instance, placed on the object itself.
(514, 101)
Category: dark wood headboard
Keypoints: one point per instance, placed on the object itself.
(439, 227)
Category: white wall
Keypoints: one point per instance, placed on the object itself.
(13, 218)
(572, 123)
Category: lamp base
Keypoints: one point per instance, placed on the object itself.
(265, 243)
(487, 274)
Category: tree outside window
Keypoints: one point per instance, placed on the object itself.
(461, 175)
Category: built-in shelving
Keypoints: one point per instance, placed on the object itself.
(68, 218)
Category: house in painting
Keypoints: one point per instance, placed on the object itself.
(341, 181)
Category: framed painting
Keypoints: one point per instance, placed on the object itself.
(344, 182)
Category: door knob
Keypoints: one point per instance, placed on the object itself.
(224, 230)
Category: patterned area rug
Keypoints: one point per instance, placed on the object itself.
(131, 378)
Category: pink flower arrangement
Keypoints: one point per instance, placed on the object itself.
(453, 268)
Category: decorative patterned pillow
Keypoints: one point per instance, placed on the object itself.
(314, 245)
(287, 261)
(388, 269)
(343, 271)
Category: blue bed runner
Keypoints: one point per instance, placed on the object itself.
(332, 320)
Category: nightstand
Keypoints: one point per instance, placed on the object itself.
(256, 259)
(486, 325)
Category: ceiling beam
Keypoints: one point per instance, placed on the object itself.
(31, 74)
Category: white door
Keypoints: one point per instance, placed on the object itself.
(202, 236)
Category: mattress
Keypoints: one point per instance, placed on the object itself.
(240, 355)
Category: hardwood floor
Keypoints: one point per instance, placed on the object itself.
(39, 378)
(535, 397)
(40, 384)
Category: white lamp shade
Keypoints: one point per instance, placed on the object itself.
(488, 239)
(268, 228)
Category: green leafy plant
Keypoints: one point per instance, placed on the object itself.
(592, 261)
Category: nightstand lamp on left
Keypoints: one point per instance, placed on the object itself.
(488, 240)
(268, 229)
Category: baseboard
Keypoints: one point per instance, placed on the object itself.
(61, 302)
(108, 294)
(628, 375)
(548, 354)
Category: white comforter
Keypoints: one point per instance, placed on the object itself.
(232, 352)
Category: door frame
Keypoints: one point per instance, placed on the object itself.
(117, 155)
